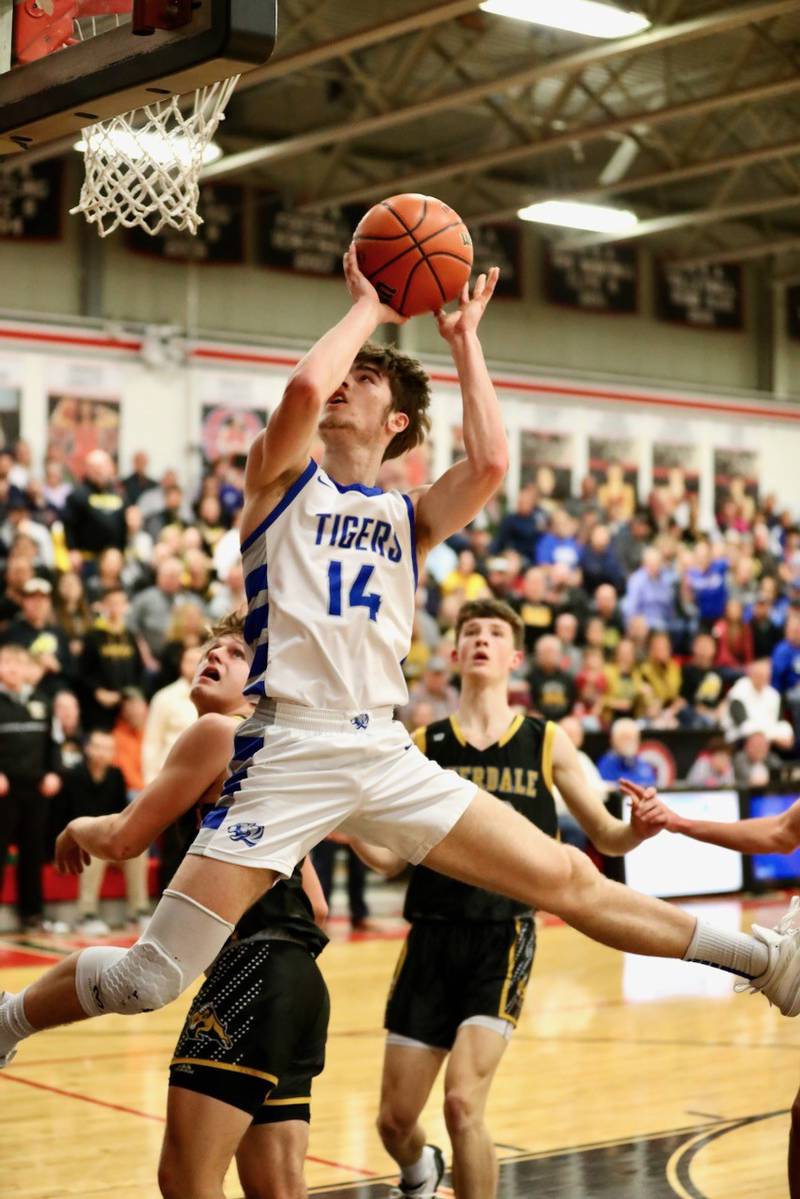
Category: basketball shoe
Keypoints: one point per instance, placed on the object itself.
(780, 982)
(426, 1189)
(11, 1050)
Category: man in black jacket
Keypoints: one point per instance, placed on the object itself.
(27, 780)
(96, 788)
(111, 662)
(94, 514)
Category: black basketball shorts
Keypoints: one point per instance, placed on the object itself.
(255, 1034)
(448, 973)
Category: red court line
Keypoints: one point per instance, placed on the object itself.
(132, 1111)
(44, 1086)
(26, 957)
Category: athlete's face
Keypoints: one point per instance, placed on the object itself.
(486, 649)
(360, 408)
(221, 676)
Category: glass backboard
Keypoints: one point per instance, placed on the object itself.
(66, 64)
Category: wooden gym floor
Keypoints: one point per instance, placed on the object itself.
(627, 1077)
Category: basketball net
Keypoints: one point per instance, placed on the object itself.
(143, 168)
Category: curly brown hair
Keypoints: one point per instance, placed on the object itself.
(491, 608)
(231, 625)
(410, 388)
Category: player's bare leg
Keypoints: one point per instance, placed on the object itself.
(201, 1138)
(270, 1160)
(496, 848)
(408, 1076)
(471, 1068)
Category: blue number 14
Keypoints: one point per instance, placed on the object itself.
(358, 597)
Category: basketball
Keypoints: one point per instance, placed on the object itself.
(415, 250)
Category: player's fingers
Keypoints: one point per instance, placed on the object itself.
(464, 294)
(480, 287)
(491, 282)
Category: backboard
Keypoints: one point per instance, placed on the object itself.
(66, 64)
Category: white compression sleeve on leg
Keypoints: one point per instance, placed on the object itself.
(180, 942)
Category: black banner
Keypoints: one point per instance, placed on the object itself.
(311, 243)
(597, 279)
(672, 752)
(705, 297)
(499, 245)
(30, 202)
(220, 238)
(793, 312)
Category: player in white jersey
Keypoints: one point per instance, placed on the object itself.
(331, 566)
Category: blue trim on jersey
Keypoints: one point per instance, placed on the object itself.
(215, 817)
(259, 661)
(282, 505)
(256, 581)
(234, 782)
(342, 488)
(246, 747)
(413, 525)
(255, 688)
(255, 622)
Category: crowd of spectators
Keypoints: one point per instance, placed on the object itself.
(635, 619)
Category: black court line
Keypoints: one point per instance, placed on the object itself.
(618, 1169)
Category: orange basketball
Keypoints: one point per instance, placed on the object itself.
(415, 250)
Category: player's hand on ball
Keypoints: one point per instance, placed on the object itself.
(69, 857)
(471, 308)
(360, 288)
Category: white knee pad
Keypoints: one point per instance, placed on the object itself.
(179, 943)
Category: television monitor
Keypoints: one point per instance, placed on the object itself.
(769, 869)
(670, 865)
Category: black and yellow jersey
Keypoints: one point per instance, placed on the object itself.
(516, 769)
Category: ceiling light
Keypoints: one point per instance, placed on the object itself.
(577, 16)
(596, 218)
(146, 143)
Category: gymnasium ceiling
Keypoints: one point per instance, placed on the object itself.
(695, 123)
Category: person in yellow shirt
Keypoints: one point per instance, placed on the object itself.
(624, 695)
(660, 672)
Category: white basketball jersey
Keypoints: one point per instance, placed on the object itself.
(330, 577)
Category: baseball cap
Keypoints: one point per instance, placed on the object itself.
(437, 663)
(37, 587)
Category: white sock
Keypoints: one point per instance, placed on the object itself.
(14, 1024)
(418, 1171)
(738, 953)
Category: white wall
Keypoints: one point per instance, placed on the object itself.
(249, 301)
(161, 404)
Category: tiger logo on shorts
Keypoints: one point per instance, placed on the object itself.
(206, 1024)
(246, 831)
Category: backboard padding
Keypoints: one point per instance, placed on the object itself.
(115, 72)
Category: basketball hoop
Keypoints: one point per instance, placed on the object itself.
(143, 168)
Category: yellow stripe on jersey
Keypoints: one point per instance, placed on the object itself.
(512, 730)
(456, 727)
(286, 1102)
(547, 754)
(420, 737)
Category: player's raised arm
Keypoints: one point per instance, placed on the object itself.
(196, 760)
(458, 496)
(282, 449)
(759, 834)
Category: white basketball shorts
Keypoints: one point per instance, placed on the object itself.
(298, 774)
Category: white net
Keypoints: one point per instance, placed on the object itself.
(143, 168)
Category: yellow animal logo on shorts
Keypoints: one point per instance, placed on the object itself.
(205, 1023)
